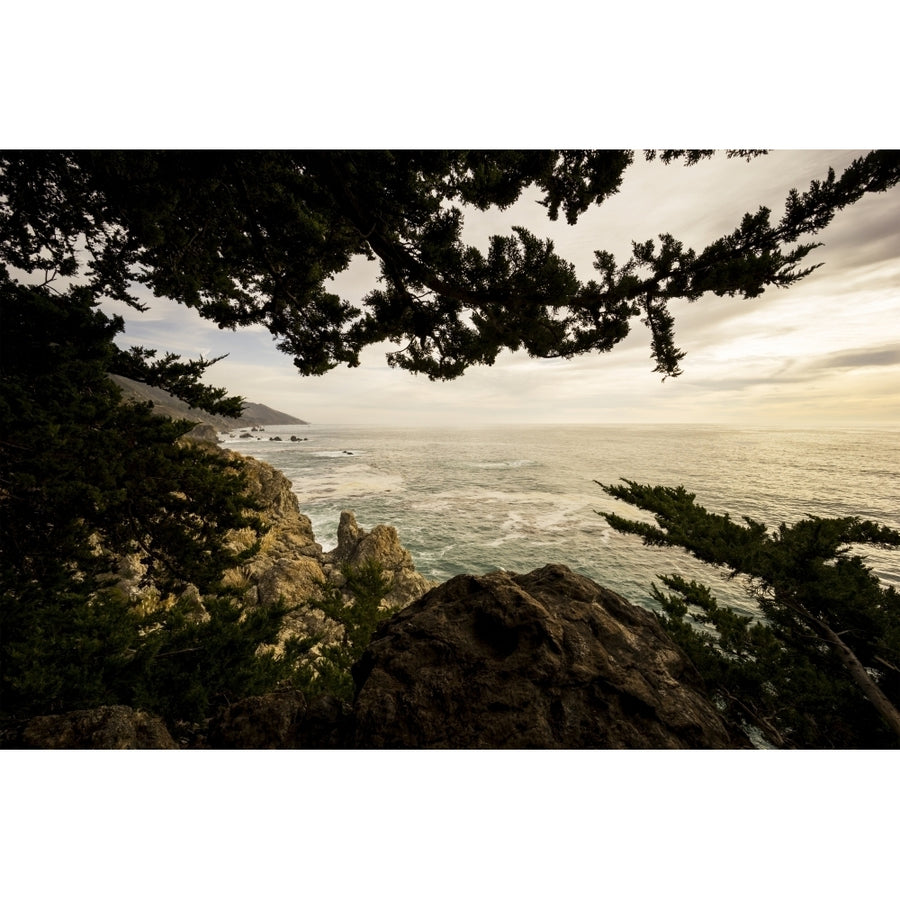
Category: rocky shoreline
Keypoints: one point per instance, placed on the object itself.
(545, 660)
(292, 566)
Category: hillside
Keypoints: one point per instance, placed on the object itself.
(167, 405)
(259, 414)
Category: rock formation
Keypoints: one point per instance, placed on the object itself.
(548, 660)
(104, 728)
(545, 660)
(203, 432)
(382, 544)
(290, 564)
(286, 720)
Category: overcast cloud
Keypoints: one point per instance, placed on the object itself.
(821, 353)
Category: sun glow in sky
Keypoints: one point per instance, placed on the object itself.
(825, 352)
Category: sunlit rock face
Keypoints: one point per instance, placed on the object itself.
(544, 660)
(382, 544)
(290, 565)
(287, 564)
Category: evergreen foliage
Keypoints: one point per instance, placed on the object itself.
(179, 378)
(86, 480)
(189, 667)
(820, 666)
(330, 671)
(254, 238)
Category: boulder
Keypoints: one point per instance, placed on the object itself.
(294, 581)
(544, 660)
(203, 432)
(104, 728)
(275, 492)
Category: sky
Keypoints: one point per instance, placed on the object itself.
(823, 353)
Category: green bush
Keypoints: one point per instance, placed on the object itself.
(330, 671)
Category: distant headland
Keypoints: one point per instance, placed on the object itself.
(167, 405)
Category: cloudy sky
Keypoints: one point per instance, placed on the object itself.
(825, 352)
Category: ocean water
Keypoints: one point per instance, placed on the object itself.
(517, 497)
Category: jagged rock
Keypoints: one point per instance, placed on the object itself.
(544, 660)
(104, 728)
(289, 533)
(281, 721)
(298, 581)
(356, 546)
(275, 492)
(291, 566)
(193, 604)
(288, 564)
(291, 580)
(348, 535)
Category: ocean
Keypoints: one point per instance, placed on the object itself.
(473, 500)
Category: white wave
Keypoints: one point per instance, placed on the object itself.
(433, 556)
(351, 481)
(324, 526)
(505, 464)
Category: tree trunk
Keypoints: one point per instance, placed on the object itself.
(861, 677)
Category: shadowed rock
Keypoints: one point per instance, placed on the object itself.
(284, 720)
(545, 660)
(104, 728)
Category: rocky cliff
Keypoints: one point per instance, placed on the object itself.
(290, 564)
(547, 659)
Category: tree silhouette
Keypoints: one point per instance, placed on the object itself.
(253, 238)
